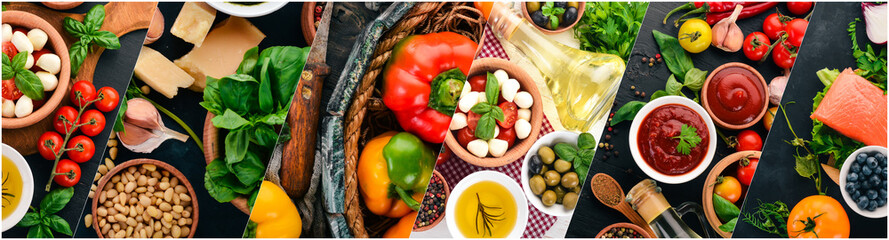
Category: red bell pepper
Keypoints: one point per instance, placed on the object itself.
(423, 80)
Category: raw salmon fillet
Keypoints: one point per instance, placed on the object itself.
(855, 108)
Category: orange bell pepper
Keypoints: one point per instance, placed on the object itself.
(375, 184)
(403, 228)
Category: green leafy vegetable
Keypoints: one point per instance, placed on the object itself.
(871, 66)
(88, 34)
(565, 151)
(769, 217)
(725, 209)
(729, 226)
(694, 79)
(627, 112)
(43, 221)
(552, 13)
(488, 110)
(688, 139)
(25, 80)
(678, 61)
(674, 87)
(583, 158)
(610, 27)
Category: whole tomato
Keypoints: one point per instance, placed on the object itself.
(746, 169)
(49, 144)
(478, 82)
(510, 114)
(818, 216)
(465, 135)
(71, 173)
(782, 55)
(82, 93)
(774, 25)
(729, 188)
(756, 45)
(799, 8)
(95, 122)
(65, 119)
(508, 135)
(10, 91)
(444, 155)
(748, 140)
(108, 99)
(82, 147)
(9, 49)
(796, 30)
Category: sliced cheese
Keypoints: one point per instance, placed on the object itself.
(221, 52)
(158, 72)
(194, 22)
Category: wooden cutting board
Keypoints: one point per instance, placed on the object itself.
(120, 18)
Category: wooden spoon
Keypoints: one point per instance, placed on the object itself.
(609, 192)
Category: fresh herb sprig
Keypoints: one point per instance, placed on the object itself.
(610, 27)
(806, 162)
(688, 139)
(44, 220)
(25, 80)
(486, 217)
(580, 158)
(769, 217)
(488, 110)
(89, 35)
(871, 66)
(552, 12)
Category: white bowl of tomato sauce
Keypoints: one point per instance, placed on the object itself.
(673, 139)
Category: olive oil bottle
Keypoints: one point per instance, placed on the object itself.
(583, 84)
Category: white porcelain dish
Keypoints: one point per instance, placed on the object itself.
(500, 178)
(547, 140)
(260, 9)
(880, 212)
(27, 187)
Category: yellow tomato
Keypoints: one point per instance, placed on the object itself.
(695, 35)
(729, 188)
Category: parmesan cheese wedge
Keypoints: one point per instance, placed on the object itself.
(194, 22)
(158, 72)
(221, 52)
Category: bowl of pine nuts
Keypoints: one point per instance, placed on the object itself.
(144, 198)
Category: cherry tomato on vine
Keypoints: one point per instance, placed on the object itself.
(818, 216)
(465, 135)
(510, 114)
(108, 99)
(773, 26)
(85, 90)
(82, 147)
(782, 55)
(49, 144)
(64, 120)
(478, 82)
(748, 140)
(729, 188)
(756, 45)
(95, 122)
(10, 91)
(746, 169)
(444, 155)
(71, 176)
(508, 135)
(799, 8)
(796, 30)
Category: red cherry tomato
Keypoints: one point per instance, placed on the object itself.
(20, 29)
(49, 144)
(746, 169)
(71, 176)
(465, 135)
(444, 155)
(508, 135)
(65, 119)
(86, 92)
(95, 122)
(756, 45)
(796, 30)
(773, 26)
(108, 99)
(9, 49)
(799, 8)
(749, 140)
(10, 91)
(510, 114)
(478, 82)
(782, 56)
(472, 120)
(83, 149)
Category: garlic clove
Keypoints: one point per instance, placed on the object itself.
(726, 34)
(134, 135)
(142, 113)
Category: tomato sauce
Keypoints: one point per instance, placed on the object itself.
(735, 95)
(657, 145)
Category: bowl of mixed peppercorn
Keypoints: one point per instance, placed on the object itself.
(623, 230)
(433, 208)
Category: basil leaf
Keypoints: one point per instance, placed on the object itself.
(275, 118)
(30, 219)
(250, 202)
(239, 92)
(266, 103)
(217, 191)
(77, 54)
(627, 112)
(236, 143)
(95, 17)
(695, 78)
(75, 28)
(35, 232)
(497, 113)
(729, 226)
(58, 224)
(481, 108)
(250, 170)
(586, 141)
(216, 169)
(106, 40)
(657, 94)
(56, 200)
(485, 128)
(249, 62)
(19, 61)
(565, 151)
(677, 59)
(8, 71)
(231, 182)
(286, 68)
(673, 86)
(212, 100)
(724, 209)
(30, 85)
(492, 89)
(229, 120)
(264, 135)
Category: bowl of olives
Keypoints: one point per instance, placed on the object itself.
(551, 184)
(553, 17)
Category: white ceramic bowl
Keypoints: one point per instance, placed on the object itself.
(711, 145)
(257, 10)
(547, 140)
(27, 187)
(507, 182)
(880, 212)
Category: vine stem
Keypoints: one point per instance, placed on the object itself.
(796, 139)
(68, 133)
(178, 121)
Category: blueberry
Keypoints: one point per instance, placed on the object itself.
(864, 185)
(856, 194)
(850, 187)
(884, 174)
(871, 194)
(872, 162)
(862, 202)
(875, 180)
(866, 171)
(881, 158)
(883, 184)
(882, 194)
(881, 202)
(861, 158)
(855, 168)
(852, 177)
(872, 205)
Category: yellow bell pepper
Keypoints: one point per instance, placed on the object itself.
(274, 214)
(403, 228)
(374, 181)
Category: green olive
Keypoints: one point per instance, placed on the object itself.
(560, 192)
(537, 185)
(576, 189)
(548, 198)
(569, 180)
(532, 6)
(546, 155)
(543, 169)
(562, 166)
(552, 178)
(569, 200)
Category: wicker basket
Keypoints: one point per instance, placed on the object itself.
(426, 17)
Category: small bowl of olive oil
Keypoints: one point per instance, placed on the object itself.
(18, 187)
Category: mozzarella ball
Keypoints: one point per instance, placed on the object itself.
(24, 107)
(525, 114)
(524, 99)
(466, 88)
(522, 128)
(50, 62)
(21, 42)
(482, 97)
(496, 131)
(509, 89)
(497, 147)
(49, 80)
(8, 108)
(30, 62)
(478, 148)
(38, 38)
(458, 121)
(501, 76)
(7, 33)
(467, 101)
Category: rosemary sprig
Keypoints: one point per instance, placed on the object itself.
(487, 218)
(6, 195)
